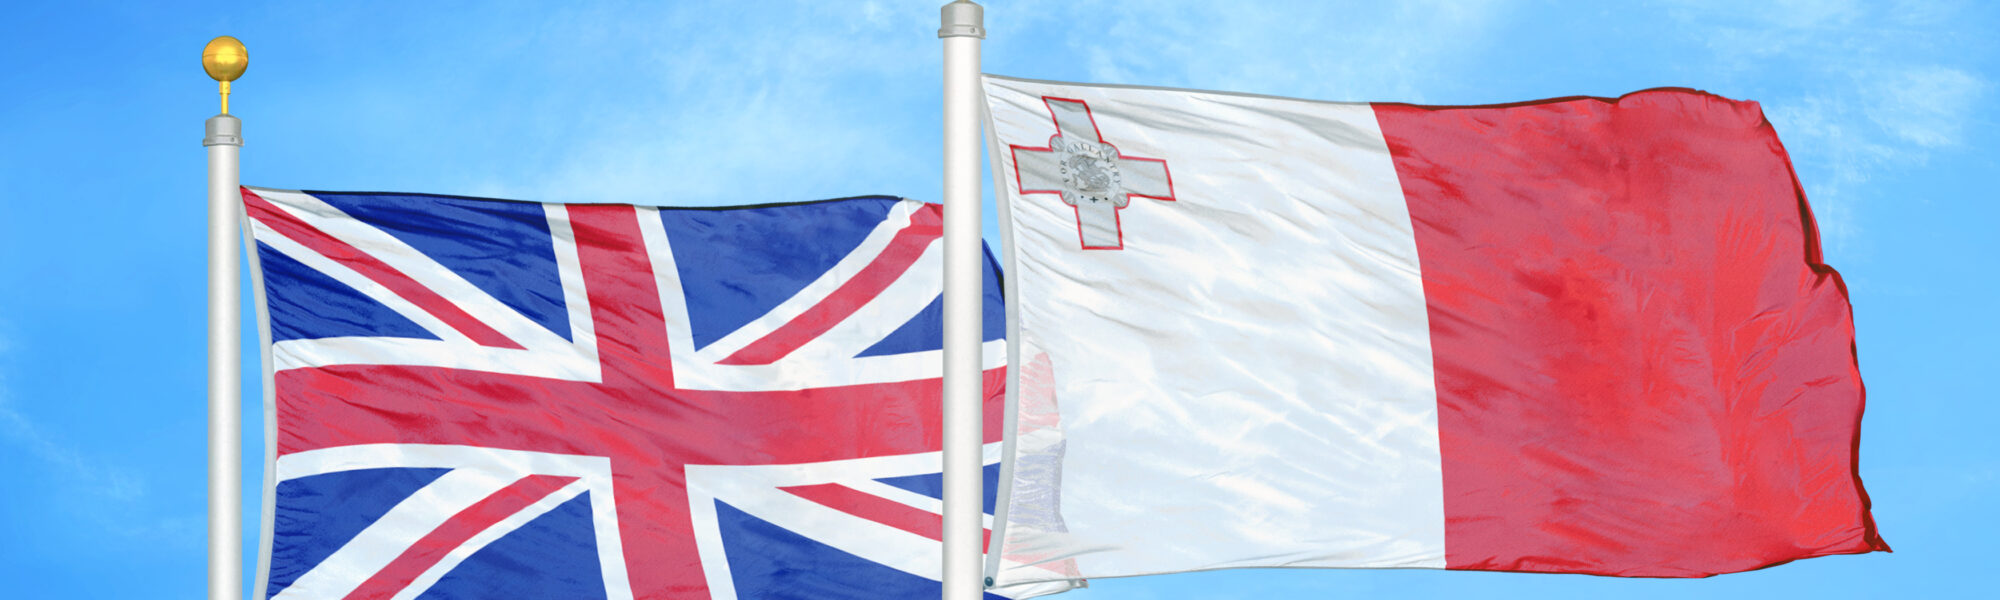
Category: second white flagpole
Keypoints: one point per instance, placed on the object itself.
(962, 27)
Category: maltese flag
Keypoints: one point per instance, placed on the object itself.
(1580, 335)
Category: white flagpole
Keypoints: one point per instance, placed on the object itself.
(225, 59)
(962, 26)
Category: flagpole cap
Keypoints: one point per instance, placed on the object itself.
(223, 130)
(225, 59)
(962, 18)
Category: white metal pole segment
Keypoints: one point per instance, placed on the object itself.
(225, 372)
(225, 59)
(961, 27)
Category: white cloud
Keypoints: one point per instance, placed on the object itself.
(1879, 122)
(1922, 105)
(1819, 134)
(1856, 90)
(25, 436)
(702, 103)
(1321, 50)
(875, 13)
(717, 116)
(112, 495)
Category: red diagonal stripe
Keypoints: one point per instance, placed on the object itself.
(375, 270)
(900, 516)
(454, 532)
(902, 251)
(878, 509)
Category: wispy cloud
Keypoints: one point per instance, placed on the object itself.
(1878, 87)
(701, 103)
(713, 115)
(1857, 89)
(1390, 50)
(112, 494)
(26, 437)
(1925, 105)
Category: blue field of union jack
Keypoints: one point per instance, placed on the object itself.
(474, 398)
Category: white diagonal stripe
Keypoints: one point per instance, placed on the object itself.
(756, 489)
(418, 267)
(906, 498)
(385, 539)
(353, 279)
(487, 536)
(908, 295)
(594, 473)
(863, 255)
(547, 356)
(698, 371)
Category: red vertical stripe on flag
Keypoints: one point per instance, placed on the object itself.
(1642, 366)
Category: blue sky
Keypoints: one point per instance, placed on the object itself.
(1886, 109)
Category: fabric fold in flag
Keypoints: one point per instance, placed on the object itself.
(1582, 335)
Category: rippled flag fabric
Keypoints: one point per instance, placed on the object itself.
(1581, 335)
(475, 398)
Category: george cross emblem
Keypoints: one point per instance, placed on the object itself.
(1089, 174)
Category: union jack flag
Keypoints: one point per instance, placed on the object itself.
(473, 398)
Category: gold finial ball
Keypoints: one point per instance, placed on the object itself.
(224, 58)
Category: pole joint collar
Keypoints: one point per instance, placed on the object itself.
(962, 19)
(224, 130)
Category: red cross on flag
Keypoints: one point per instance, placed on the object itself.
(480, 398)
(1583, 335)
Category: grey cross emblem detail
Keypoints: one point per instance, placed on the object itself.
(1089, 174)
